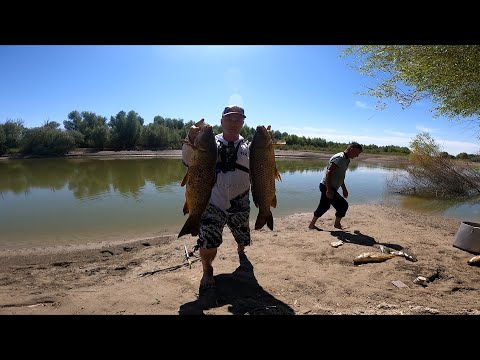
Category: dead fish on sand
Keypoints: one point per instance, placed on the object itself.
(199, 179)
(405, 253)
(474, 261)
(263, 172)
(369, 257)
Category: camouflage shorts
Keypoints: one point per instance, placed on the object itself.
(236, 218)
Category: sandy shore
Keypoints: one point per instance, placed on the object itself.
(291, 270)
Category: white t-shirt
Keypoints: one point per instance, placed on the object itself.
(231, 183)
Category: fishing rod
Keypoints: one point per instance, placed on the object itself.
(187, 256)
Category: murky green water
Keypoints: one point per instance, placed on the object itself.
(70, 201)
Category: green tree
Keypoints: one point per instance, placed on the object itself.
(448, 75)
(126, 130)
(51, 125)
(13, 133)
(91, 126)
(3, 140)
(74, 121)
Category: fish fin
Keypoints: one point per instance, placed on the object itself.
(186, 210)
(270, 221)
(184, 180)
(191, 226)
(277, 175)
(195, 229)
(274, 201)
(262, 220)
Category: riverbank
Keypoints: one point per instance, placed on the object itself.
(290, 270)
(290, 154)
(293, 154)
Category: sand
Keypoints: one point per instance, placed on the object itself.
(288, 271)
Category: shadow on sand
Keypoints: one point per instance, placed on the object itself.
(241, 291)
(361, 239)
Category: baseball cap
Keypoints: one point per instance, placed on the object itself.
(233, 109)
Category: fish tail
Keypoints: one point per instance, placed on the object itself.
(191, 226)
(262, 220)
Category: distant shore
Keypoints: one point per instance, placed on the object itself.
(292, 154)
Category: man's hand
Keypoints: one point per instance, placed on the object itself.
(194, 130)
(270, 131)
(329, 194)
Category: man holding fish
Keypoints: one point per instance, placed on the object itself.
(226, 202)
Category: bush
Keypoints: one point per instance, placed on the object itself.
(431, 173)
(46, 141)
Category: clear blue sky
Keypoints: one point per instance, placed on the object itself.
(303, 90)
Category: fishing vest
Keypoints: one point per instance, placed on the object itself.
(228, 157)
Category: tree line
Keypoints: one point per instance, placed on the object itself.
(127, 131)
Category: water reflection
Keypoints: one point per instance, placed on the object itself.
(444, 207)
(63, 201)
(88, 178)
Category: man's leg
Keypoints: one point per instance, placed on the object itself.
(207, 256)
(337, 223)
(209, 239)
(341, 205)
(238, 221)
(322, 208)
(240, 249)
(238, 224)
(312, 223)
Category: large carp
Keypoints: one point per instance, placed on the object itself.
(263, 172)
(199, 179)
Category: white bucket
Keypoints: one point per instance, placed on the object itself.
(468, 237)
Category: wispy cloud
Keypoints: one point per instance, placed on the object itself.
(457, 147)
(309, 130)
(390, 138)
(395, 133)
(425, 129)
(336, 136)
(362, 105)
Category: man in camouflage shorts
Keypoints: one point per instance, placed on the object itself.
(229, 203)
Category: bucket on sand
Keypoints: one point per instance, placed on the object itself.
(468, 237)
